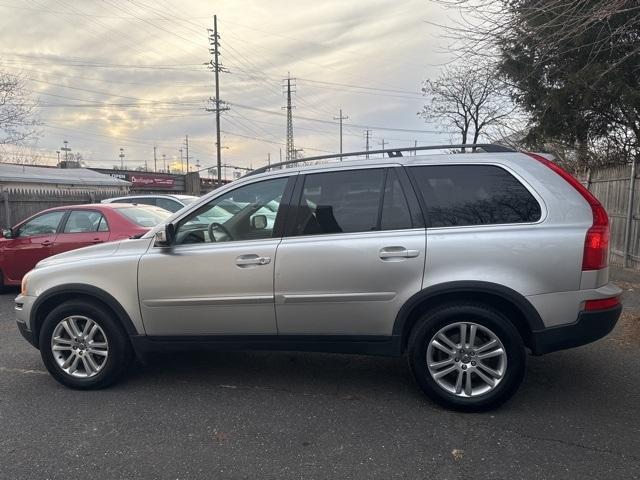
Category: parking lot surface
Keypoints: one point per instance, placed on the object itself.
(299, 415)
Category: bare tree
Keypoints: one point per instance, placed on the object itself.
(18, 119)
(468, 102)
(21, 154)
(484, 26)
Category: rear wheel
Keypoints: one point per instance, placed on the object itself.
(467, 357)
(83, 346)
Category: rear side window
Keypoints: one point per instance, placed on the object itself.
(84, 221)
(352, 201)
(168, 204)
(461, 195)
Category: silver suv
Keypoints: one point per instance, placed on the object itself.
(460, 262)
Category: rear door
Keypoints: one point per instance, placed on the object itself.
(81, 229)
(354, 254)
(32, 242)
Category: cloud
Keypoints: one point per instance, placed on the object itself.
(113, 75)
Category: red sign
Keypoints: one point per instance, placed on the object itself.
(151, 181)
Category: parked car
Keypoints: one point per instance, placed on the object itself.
(60, 229)
(172, 203)
(460, 262)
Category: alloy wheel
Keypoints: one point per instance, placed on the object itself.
(79, 346)
(466, 359)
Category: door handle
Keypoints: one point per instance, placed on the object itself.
(96, 240)
(46, 243)
(246, 260)
(397, 252)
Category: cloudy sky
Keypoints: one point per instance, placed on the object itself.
(130, 74)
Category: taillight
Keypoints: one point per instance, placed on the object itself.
(601, 304)
(596, 243)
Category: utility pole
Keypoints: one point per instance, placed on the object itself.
(341, 118)
(155, 159)
(181, 162)
(215, 65)
(58, 152)
(164, 163)
(367, 136)
(415, 144)
(291, 149)
(383, 143)
(121, 158)
(186, 142)
(66, 150)
(268, 159)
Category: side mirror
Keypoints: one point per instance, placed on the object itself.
(259, 222)
(7, 233)
(166, 236)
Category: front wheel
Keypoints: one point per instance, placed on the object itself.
(467, 357)
(83, 346)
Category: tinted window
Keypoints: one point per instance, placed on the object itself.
(245, 213)
(351, 201)
(45, 224)
(395, 210)
(82, 221)
(457, 195)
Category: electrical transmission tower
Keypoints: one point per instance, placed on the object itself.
(367, 136)
(291, 149)
(121, 159)
(216, 67)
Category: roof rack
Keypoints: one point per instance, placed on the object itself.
(392, 152)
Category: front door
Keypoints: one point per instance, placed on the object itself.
(218, 277)
(33, 241)
(355, 255)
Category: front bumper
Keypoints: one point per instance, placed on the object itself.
(589, 327)
(23, 304)
(26, 333)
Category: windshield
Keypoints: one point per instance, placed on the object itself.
(145, 216)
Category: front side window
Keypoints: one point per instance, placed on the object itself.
(352, 201)
(45, 224)
(246, 213)
(83, 221)
(462, 195)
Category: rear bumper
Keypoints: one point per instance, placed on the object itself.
(589, 327)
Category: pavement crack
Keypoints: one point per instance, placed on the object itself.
(571, 444)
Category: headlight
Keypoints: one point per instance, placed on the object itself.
(23, 285)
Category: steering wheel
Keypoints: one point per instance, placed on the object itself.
(218, 226)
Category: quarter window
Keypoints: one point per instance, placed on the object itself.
(461, 195)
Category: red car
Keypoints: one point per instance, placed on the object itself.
(60, 229)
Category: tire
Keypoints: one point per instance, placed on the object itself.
(92, 370)
(505, 358)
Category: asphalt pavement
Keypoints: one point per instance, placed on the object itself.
(319, 416)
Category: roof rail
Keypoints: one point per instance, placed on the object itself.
(392, 152)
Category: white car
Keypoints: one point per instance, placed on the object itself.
(172, 203)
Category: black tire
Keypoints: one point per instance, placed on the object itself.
(433, 321)
(120, 352)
